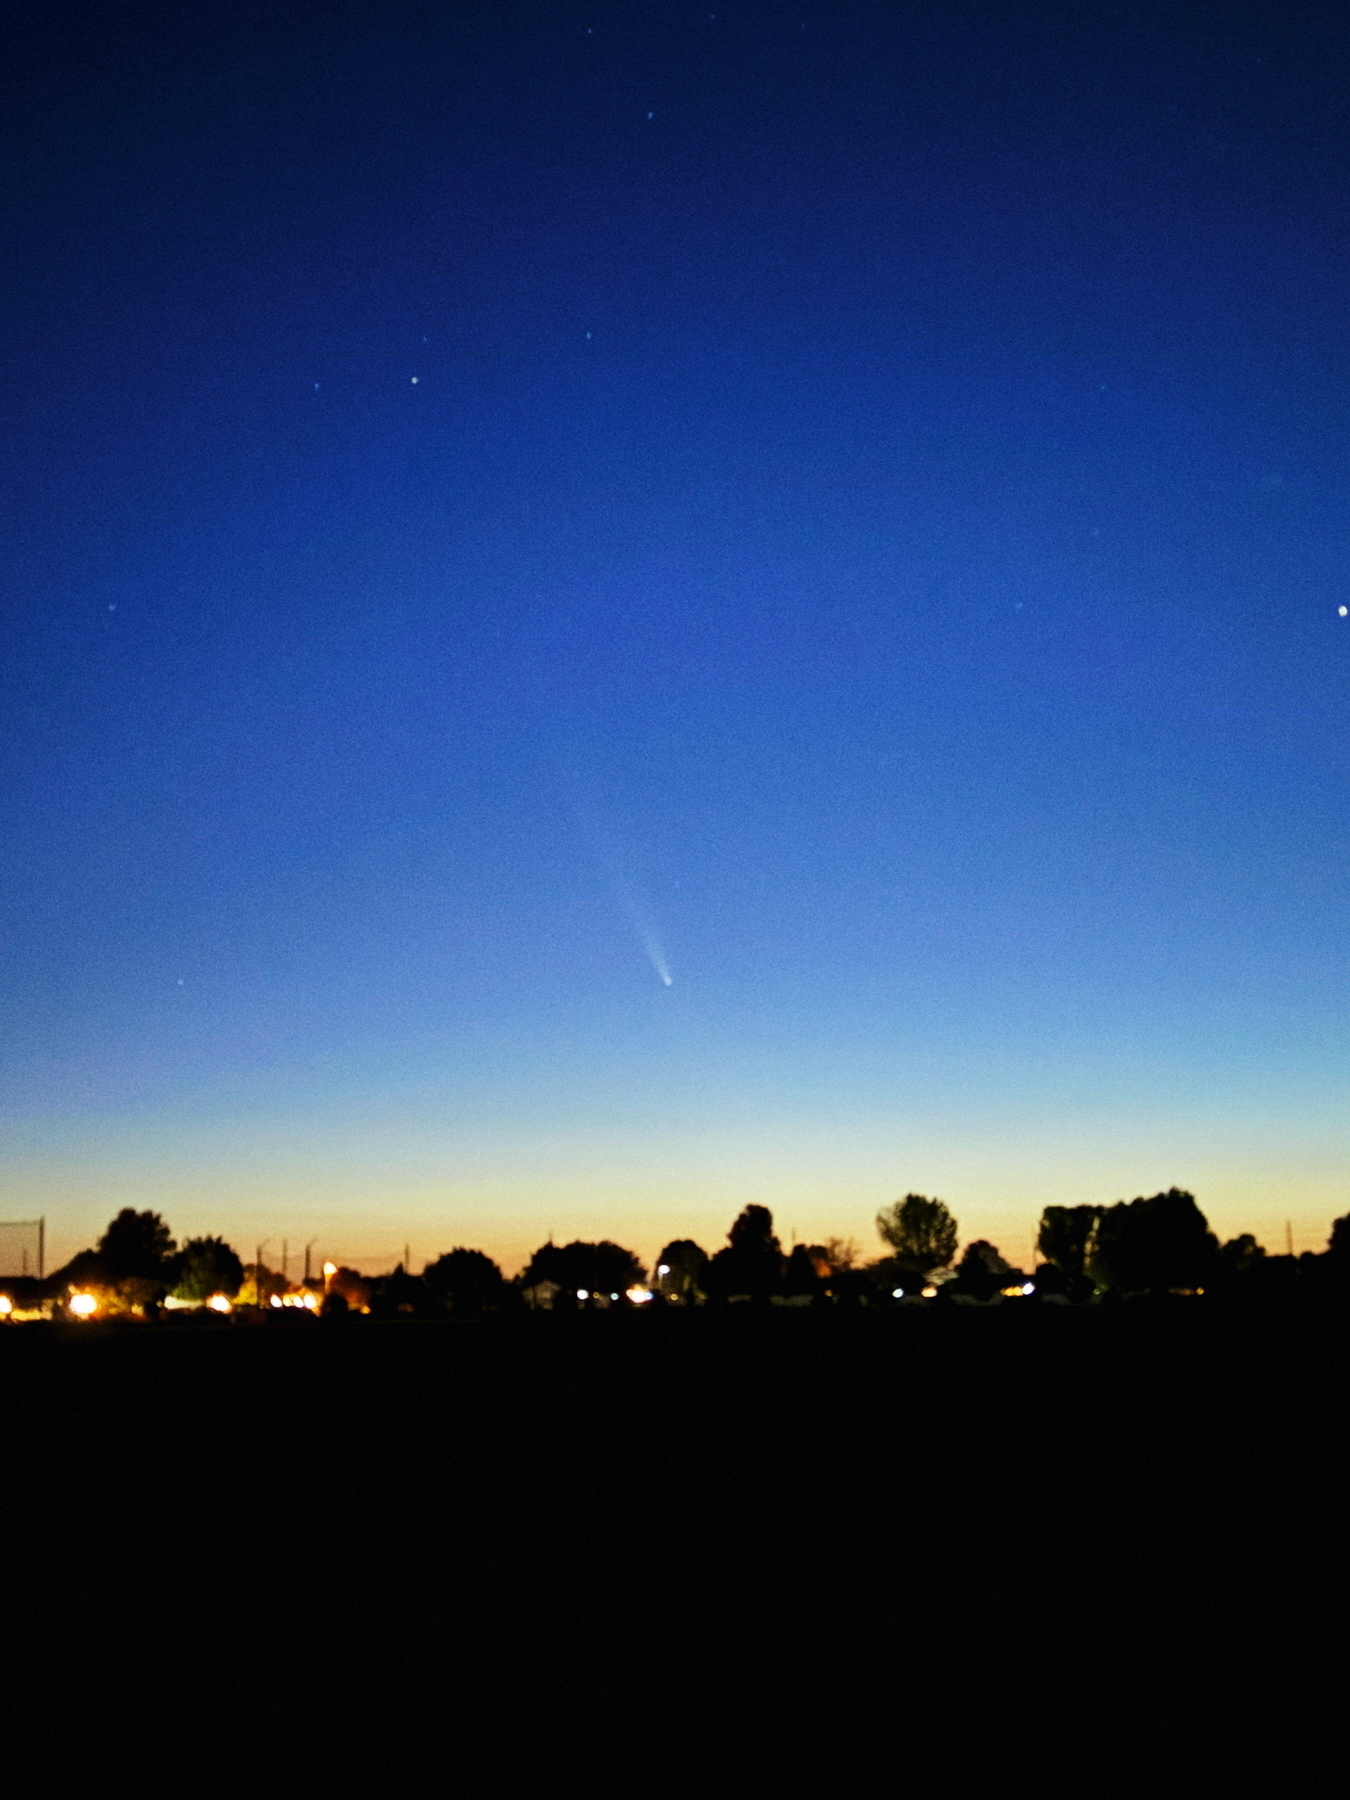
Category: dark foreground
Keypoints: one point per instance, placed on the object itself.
(1020, 1489)
(915, 1446)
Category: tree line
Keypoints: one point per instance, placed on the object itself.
(1149, 1247)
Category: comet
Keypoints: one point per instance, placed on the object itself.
(646, 930)
(629, 896)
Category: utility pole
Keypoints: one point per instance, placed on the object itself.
(308, 1247)
(42, 1247)
(1288, 1238)
(258, 1272)
(285, 1257)
(407, 1261)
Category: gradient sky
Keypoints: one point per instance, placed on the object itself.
(845, 507)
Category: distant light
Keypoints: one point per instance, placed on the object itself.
(414, 381)
(1343, 610)
(84, 1306)
(1028, 1287)
(220, 1303)
(639, 1296)
(276, 1300)
(897, 1293)
(663, 1269)
(6, 1306)
(929, 1292)
(614, 1296)
(581, 1294)
(330, 1269)
(310, 1301)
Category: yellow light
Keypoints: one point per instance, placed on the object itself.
(220, 1303)
(929, 1292)
(276, 1300)
(84, 1306)
(6, 1306)
(639, 1296)
(310, 1301)
(329, 1271)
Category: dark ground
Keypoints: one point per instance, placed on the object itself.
(1031, 1498)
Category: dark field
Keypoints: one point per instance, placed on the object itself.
(996, 1422)
(1022, 1488)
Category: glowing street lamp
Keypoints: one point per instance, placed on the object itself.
(84, 1306)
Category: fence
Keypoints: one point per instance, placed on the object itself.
(23, 1247)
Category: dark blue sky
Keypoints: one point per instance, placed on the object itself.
(847, 508)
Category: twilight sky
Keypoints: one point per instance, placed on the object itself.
(844, 507)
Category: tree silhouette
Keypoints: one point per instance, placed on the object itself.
(921, 1233)
(982, 1272)
(548, 1264)
(136, 1245)
(1151, 1246)
(581, 1270)
(752, 1263)
(801, 1278)
(349, 1285)
(208, 1266)
(1242, 1253)
(615, 1268)
(400, 1294)
(465, 1280)
(684, 1262)
(1339, 1242)
(85, 1269)
(1064, 1239)
(839, 1253)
